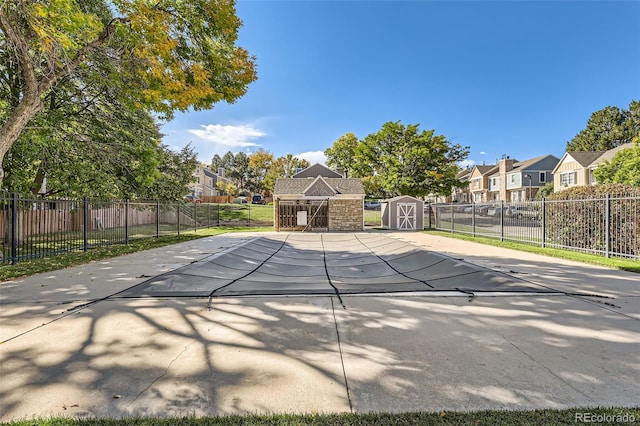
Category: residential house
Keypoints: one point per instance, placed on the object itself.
(462, 195)
(521, 180)
(575, 168)
(206, 181)
(479, 182)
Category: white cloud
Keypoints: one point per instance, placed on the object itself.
(466, 163)
(224, 137)
(482, 153)
(313, 157)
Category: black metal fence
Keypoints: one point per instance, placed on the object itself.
(36, 227)
(605, 226)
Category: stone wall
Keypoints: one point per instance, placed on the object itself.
(346, 215)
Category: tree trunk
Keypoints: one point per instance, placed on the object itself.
(15, 124)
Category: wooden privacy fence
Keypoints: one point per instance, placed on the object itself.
(33, 227)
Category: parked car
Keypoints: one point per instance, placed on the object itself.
(522, 212)
(240, 200)
(258, 199)
(495, 211)
(372, 205)
(193, 199)
(483, 210)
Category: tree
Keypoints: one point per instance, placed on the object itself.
(608, 128)
(87, 140)
(171, 55)
(260, 163)
(545, 191)
(405, 161)
(341, 155)
(624, 167)
(240, 172)
(286, 167)
(175, 174)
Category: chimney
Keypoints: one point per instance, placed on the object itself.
(221, 171)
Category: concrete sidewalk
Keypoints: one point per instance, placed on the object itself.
(70, 350)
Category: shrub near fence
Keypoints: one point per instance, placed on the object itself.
(607, 226)
(32, 227)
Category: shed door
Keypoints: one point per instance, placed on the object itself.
(406, 216)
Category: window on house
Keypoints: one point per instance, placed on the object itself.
(513, 178)
(543, 177)
(568, 178)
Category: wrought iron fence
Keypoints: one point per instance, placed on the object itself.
(606, 226)
(36, 227)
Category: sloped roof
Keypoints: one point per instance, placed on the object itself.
(485, 169)
(319, 187)
(466, 173)
(608, 155)
(317, 170)
(584, 158)
(528, 163)
(295, 186)
(402, 197)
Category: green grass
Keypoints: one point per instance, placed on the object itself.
(65, 260)
(614, 415)
(372, 217)
(617, 263)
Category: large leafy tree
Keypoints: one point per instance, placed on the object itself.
(624, 167)
(170, 55)
(260, 163)
(87, 140)
(402, 160)
(341, 155)
(608, 128)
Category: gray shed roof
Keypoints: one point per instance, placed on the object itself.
(292, 186)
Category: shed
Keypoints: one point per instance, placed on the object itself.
(403, 213)
(318, 203)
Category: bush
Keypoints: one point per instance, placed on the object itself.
(577, 217)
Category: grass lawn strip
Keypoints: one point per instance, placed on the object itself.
(570, 416)
(616, 263)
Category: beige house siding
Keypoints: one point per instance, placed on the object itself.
(478, 186)
(581, 175)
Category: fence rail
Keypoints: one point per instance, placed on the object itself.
(605, 226)
(34, 227)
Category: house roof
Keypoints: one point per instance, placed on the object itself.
(528, 163)
(317, 170)
(608, 155)
(464, 174)
(298, 186)
(485, 169)
(584, 158)
(592, 158)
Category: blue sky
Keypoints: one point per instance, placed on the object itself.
(519, 78)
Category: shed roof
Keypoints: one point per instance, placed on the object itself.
(402, 197)
(292, 186)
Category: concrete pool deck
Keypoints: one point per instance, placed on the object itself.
(93, 340)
